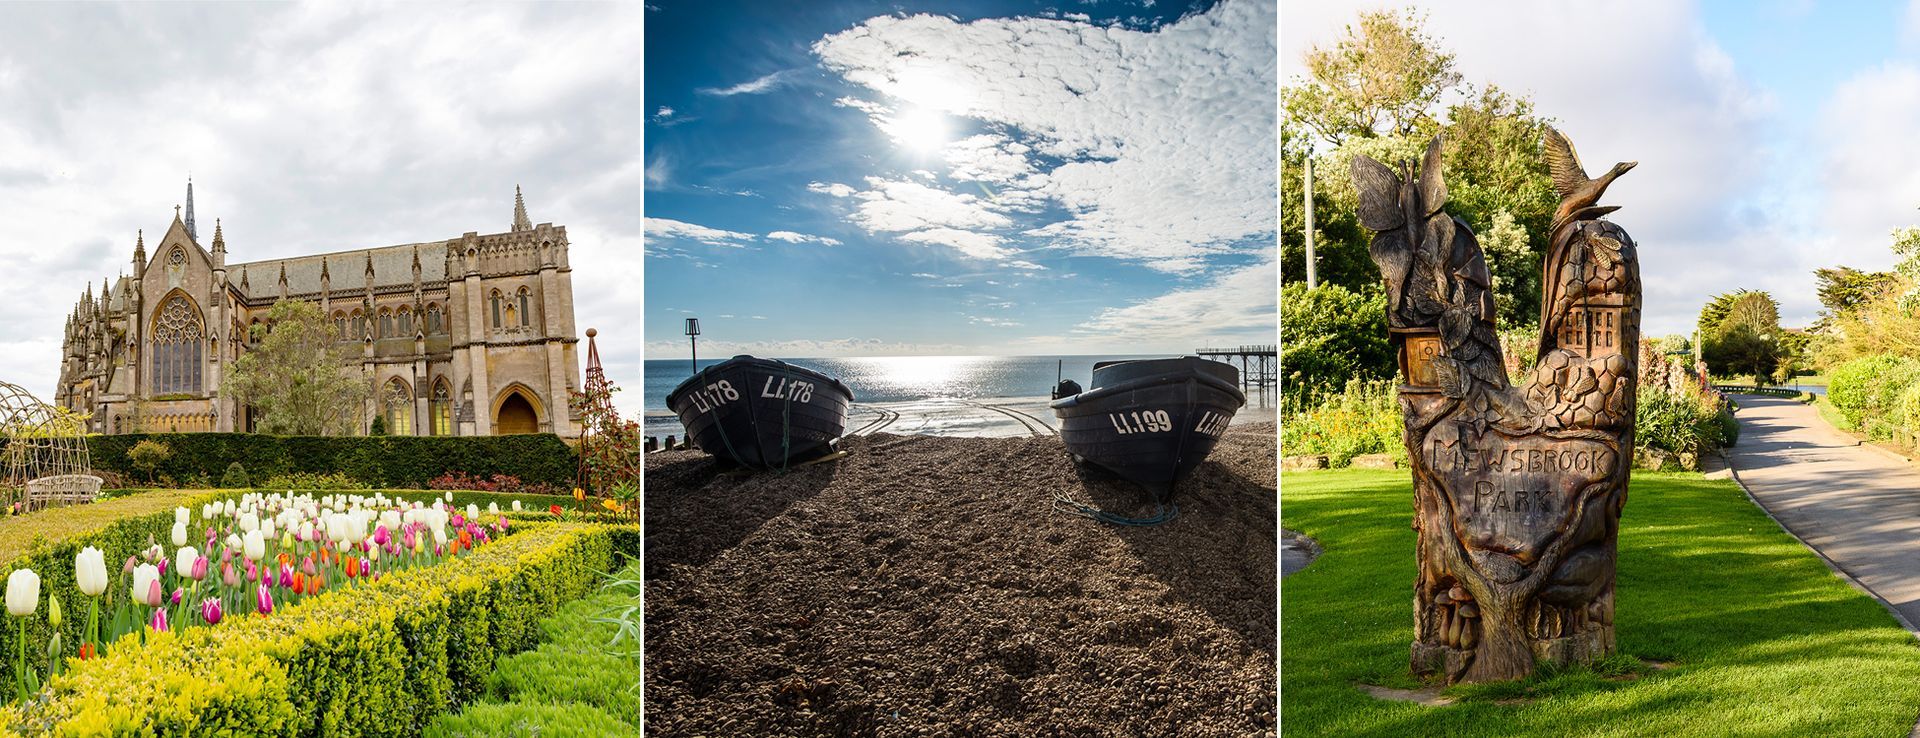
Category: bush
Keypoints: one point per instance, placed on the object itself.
(1331, 335)
(148, 455)
(379, 426)
(307, 480)
(503, 483)
(387, 461)
(519, 718)
(1679, 422)
(235, 477)
(1867, 393)
(383, 658)
(1363, 419)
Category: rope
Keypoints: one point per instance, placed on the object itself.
(1162, 513)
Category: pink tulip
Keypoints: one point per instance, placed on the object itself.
(286, 575)
(128, 569)
(226, 554)
(406, 538)
(155, 595)
(306, 567)
(459, 520)
(263, 600)
(163, 566)
(177, 593)
(210, 611)
(228, 575)
(381, 536)
(199, 568)
(159, 621)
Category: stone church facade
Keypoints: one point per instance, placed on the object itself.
(472, 335)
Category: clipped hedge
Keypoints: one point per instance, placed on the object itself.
(377, 461)
(380, 659)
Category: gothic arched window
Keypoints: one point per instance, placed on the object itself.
(340, 324)
(359, 324)
(178, 346)
(386, 324)
(397, 404)
(496, 308)
(433, 318)
(442, 407)
(526, 316)
(405, 318)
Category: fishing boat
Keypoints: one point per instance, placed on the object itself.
(761, 413)
(1150, 421)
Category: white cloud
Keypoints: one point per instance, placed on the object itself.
(791, 237)
(1027, 265)
(663, 114)
(669, 228)
(835, 189)
(1237, 307)
(1167, 135)
(752, 86)
(969, 243)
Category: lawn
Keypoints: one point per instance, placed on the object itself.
(1759, 637)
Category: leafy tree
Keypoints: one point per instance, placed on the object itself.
(613, 455)
(1340, 246)
(1328, 336)
(1715, 311)
(1673, 344)
(235, 477)
(297, 378)
(378, 427)
(1742, 351)
(1755, 310)
(1844, 289)
(149, 455)
(1382, 77)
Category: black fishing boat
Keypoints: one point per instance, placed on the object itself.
(1150, 421)
(762, 413)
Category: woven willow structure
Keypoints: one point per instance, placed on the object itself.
(45, 452)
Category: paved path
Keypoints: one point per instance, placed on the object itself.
(1857, 506)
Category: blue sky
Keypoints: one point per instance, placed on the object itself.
(1774, 137)
(861, 178)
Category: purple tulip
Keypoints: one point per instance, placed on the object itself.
(177, 593)
(210, 611)
(263, 599)
(459, 520)
(163, 566)
(483, 537)
(286, 575)
(159, 621)
(381, 536)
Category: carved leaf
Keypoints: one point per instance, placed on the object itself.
(1453, 382)
(1487, 369)
(1438, 244)
(1433, 188)
(1394, 256)
(1379, 195)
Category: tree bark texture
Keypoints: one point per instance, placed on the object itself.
(1518, 489)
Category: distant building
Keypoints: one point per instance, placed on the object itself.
(472, 335)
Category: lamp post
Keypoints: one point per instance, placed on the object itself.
(693, 342)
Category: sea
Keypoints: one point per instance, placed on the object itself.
(906, 380)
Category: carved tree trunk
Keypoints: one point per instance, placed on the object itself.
(1518, 490)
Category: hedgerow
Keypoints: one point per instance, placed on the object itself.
(374, 461)
(381, 659)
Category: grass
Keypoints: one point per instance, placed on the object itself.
(582, 680)
(19, 533)
(1762, 639)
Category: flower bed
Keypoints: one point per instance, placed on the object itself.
(380, 659)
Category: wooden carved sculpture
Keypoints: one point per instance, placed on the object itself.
(1518, 490)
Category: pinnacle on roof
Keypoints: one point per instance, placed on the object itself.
(323, 269)
(140, 246)
(190, 232)
(520, 222)
(219, 239)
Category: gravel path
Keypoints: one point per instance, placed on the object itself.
(923, 587)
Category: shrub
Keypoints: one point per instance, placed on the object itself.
(379, 426)
(1363, 419)
(1867, 392)
(529, 719)
(1678, 422)
(235, 477)
(148, 456)
(307, 480)
(405, 462)
(502, 483)
(1331, 335)
(383, 658)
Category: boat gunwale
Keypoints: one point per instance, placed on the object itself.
(1099, 393)
(748, 361)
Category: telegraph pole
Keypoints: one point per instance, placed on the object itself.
(1313, 274)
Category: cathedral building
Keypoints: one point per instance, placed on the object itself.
(471, 335)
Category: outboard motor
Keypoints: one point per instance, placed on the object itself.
(1066, 388)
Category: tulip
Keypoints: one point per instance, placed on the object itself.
(128, 569)
(183, 561)
(146, 585)
(233, 541)
(314, 584)
(353, 567)
(156, 594)
(199, 571)
(286, 575)
(493, 508)
(53, 610)
(90, 571)
(373, 554)
(263, 600)
(159, 621)
(210, 611)
(516, 506)
(228, 576)
(179, 534)
(86, 651)
(23, 592)
(180, 517)
(286, 539)
(610, 505)
(299, 582)
(556, 510)
(162, 566)
(255, 546)
(579, 494)
(449, 498)
(439, 538)
(306, 567)
(177, 593)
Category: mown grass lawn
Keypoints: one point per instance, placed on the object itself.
(1762, 639)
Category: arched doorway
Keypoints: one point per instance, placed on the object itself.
(516, 415)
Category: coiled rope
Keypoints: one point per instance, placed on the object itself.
(1162, 512)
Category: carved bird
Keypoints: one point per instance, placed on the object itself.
(1578, 194)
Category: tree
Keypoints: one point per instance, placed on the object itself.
(1380, 78)
(1844, 289)
(1743, 336)
(297, 379)
(1328, 336)
(148, 455)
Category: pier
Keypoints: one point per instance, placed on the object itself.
(1259, 365)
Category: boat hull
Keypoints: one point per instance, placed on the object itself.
(761, 413)
(1151, 423)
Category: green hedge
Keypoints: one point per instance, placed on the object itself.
(382, 659)
(377, 461)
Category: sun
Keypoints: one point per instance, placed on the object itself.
(919, 129)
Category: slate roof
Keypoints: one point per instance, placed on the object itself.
(392, 265)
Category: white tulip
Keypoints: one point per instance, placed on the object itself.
(179, 534)
(90, 571)
(227, 510)
(439, 536)
(233, 541)
(266, 528)
(306, 530)
(516, 506)
(255, 545)
(449, 498)
(473, 512)
(183, 560)
(181, 516)
(248, 521)
(493, 508)
(23, 592)
(144, 576)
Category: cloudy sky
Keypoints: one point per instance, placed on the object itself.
(310, 128)
(885, 178)
(1774, 137)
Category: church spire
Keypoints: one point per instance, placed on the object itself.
(139, 251)
(190, 232)
(520, 222)
(219, 239)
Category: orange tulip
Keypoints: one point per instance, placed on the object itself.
(284, 559)
(353, 567)
(299, 582)
(314, 584)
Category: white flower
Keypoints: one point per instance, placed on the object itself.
(439, 536)
(144, 576)
(516, 506)
(233, 541)
(183, 560)
(449, 498)
(180, 516)
(90, 571)
(473, 512)
(23, 592)
(227, 510)
(248, 521)
(255, 545)
(493, 508)
(266, 528)
(179, 534)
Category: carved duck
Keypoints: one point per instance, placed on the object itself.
(1578, 194)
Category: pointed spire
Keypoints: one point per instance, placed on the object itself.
(283, 273)
(324, 274)
(369, 266)
(139, 250)
(520, 212)
(219, 238)
(243, 278)
(190, 232)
